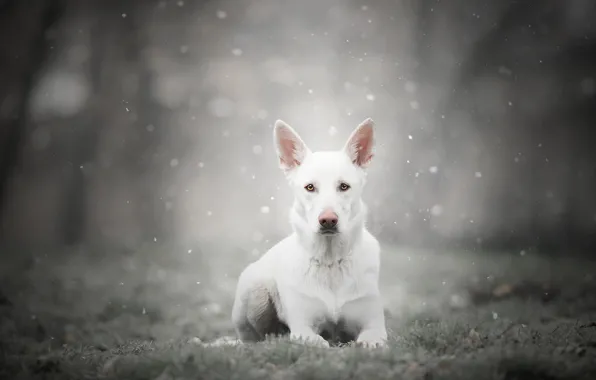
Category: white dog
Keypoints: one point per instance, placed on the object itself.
(320, 284)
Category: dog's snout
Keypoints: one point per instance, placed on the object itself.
(328, 219)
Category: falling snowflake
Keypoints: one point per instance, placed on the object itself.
(370, 97)
(265, 210)
(257, 149)
(262, 114)
(410, 87)
(332, 131)
(257, 236)
(433, 169)
(221, 14)
(436, 210)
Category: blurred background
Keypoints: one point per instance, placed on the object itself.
(140, 131)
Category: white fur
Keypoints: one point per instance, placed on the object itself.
(310, 280)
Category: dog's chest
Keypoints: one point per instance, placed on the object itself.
(330, 287)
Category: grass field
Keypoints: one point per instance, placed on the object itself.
(108, 314)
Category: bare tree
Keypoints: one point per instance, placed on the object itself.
(23, 27)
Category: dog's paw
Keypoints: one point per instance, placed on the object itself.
(314, 340)
(373, 343)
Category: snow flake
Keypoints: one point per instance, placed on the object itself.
(436, 210)
(433, 169)
(221, 107)
(221, 14)
(257, 149)
(414, 104)
(201, 165)
(332, 131)
(262, 114)
(237, 52)
(410, 87)
(370, 97)
(174, 162)
(478, 174)
(588, 86)
(265, 210)
(504, 70)
(257, 236)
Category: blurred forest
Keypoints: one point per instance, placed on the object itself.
(128, 122)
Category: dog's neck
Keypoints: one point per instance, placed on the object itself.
(329, 248)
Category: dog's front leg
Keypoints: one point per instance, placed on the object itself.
(300, 315)
(373, 333)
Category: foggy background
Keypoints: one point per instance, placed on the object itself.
(125, 122)
(136, 137)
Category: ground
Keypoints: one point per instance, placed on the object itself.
(112, 314)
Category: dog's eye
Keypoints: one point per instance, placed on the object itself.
(310, 187)
(344, 187)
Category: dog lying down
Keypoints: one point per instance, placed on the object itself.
(320, 284)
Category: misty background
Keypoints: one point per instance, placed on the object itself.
(128, 122)
(141, 132)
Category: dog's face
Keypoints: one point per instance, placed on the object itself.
(327, 185)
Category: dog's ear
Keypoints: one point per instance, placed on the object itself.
(291, 150)
(360, 144)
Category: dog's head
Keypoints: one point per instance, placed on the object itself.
(327, 185)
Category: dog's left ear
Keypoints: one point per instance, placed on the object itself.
(360, 144)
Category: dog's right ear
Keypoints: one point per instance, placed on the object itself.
(290, 148)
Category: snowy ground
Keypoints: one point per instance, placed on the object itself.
(91, 314)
